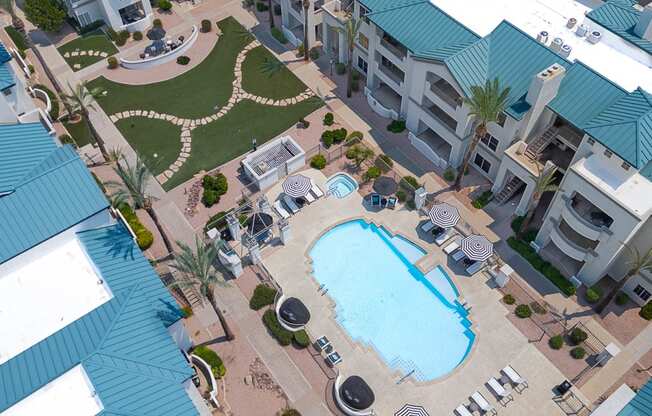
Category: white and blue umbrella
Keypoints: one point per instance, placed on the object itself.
(411, 410)
(477, 247)
(444, 215)
(297, 186)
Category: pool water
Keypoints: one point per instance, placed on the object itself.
(341, 185)
(382, 300)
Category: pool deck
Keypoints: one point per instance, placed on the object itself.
(498, 342)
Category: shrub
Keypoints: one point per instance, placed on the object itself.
(214, 187)
(340, 68)
(277, 9)
(401, 195)
(183, 60)
(372, 173)
(144, 237)
(18, 38)
(112, 34)
(333, 136)
(329, 119)
(318, 162)
(112, 62)
(593, 294)
(646, 311)
(137, 35)
(54, 110)
(290, 412)
(509, 299)
(301, 339)
(411, 205)
(206, 26)
(622, 298)
(396, 126)
(122, 37)
(303, 123)
(314, 53)
(556, 342)
(262, 7)
(157, 23)
(301, 50)
(47, 15)
(410, 183)
(209, 198)
(578, 353)
(355, 85)
(282, 335)
(481, 201)
(164, 5)
(279, 35)
(523, 311)
(385, 163)
(31, 69)
(66, 139)
(354, 137)
(263, 296)
(530, 235)
(327, 139)
(212, 359)
(577, 336)
(186, 311)
(449, 175)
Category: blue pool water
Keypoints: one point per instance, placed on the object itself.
(341, 185)
(383, 301)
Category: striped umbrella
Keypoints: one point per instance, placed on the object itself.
(411, 410)
(477, 247)
(444, 215)
(297, 186)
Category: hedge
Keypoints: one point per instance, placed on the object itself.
(18, 38)
(329, 119)
(144, 237)
(556, 342)
(593, 294)
(214, 187)
(646, 311)
(54, 110)
(301, 339)
(263, 296)
(318, 162)
(509, 299)
(577, 336)
(542, 266)
(622, 298)
(523, 311)
(282, 335)
(333, 136)
(482, 201)
(396, 126)
(212, 359)
(578, 353)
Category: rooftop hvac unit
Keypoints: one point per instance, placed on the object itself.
(571, 22)
(566, 50)
(556, 44)
(543, 37)
(594, 37)
(582, 30)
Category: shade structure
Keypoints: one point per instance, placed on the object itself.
(411, 410)
(258, 222)
(294, 312)
(477, 247)
(297, 186)
(444, 215)
(356, 393)
(385, 185)
(156, 33)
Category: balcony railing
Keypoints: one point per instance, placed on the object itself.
(442, 117)
(397, 51)
(453, 100)
(570, 135)
(576, 238)
(586, 223)
(393, 74)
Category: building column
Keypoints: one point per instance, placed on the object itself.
(343, 48)
(500, 179)
(312, 36)
(254, 251)
(285, 13)
(234, 227)
(526, 199)
(284, 231)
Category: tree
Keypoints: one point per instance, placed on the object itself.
(10, 7)
(271, 67)
(544, 183)
(271, 14)
(306, 48)
(79, 101)
(359, 154)
(133, 187)
(47, 15)
(486, 103)
(637, 263)
(350, 31)
(197, 268)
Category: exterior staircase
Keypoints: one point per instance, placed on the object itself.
(536, 146)
(511, 187)
(189, 292)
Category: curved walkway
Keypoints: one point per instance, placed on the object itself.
(187, 125)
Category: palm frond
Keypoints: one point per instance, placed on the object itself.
(196, 264)
(271, 67)
(135, 180)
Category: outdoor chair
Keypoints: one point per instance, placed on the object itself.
(452, 247)
(391, 202)
(442, 238)
(515, 378)
(461, 410)
(504, 396)
(482, 403)
(375, 199)
(281, 211)
(383, 202)
(475, 267)
(309, 198)
(427, 226)
(333, 358)
(316, 191)
(290, 204)
(322, 343)
(458, 255)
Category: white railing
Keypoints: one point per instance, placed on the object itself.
(42, 95)
(378, 108)
(213, 393)
(160, 59)
(291, 38)
(427, 151)
(21, 62)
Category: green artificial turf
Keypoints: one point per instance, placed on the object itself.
(96, 40)
(277, 84)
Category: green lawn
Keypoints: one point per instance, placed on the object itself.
(80, 132)
(279, 84)
(96, 40)
(193, 94)
(159, 153)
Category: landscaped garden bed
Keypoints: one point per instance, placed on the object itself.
(87, 49)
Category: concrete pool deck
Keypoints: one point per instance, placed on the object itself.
(497, 344)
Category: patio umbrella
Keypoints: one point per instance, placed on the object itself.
(297, 186)
(411, 410)
(477, 247)
(156, 33)
(258, 222)
(444, 215)
(385, 185)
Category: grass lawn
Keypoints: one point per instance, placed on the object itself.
(80, 132)
(92, 41)
(158, 154)
(280, 84)
(193, 94)
(17, 37)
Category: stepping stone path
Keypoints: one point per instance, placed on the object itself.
(187, 125)
(84, 53)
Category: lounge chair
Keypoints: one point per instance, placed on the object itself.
(467, 262)
(280, 210)
(475, 267)
(375, 199)
(310, 198)
(316, 191)
(461, 410)
(427, 226)
(458, 255)
(452, 247)
(322, 343)
(383, 202)
(482, 403)
(289, 202)
(333, 358)
(391, 202)
(515, 378)
(504, 396)
(445, 236)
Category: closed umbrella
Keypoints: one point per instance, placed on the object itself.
(411, 410)
(385, 185)
(444, 215)
(477, 247)
(297, 186)
(156, 33)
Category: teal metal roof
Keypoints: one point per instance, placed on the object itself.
(641, 404)
(123, 345)
(494, 57)
(429, 28)
(56, 194)
(5, 56)
(620, 17)
(583, 94)
(22, 148)
(625, 127)
(7, 79)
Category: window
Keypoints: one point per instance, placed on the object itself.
(490, 141)
(625, 166)
(482, 163)
(642, 293)
(608, 153)
(362, 64)
(591, 141)
(363, 40)
(501, 119)
(363, 13)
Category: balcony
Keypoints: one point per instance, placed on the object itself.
(562, 235)
(569, 135)
(394, 47)
(568, 266)
(585, 218)
(433, 146)
(384, 101)
(440, 115)
(334, 8)
(446, 93)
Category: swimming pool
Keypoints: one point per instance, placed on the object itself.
(383, 301)
(341, 185)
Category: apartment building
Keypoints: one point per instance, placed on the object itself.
(579, 76)
(130, 15)
(293, 21)
(87, 325)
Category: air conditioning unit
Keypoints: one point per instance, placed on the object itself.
(556, 44)
(582, 30)
(566, 50)
(571, 22)
(542, 37)
(594, 37)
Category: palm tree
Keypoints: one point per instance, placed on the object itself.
(79, 101)
(271, 67)
(197, 267)
(350, 30)
(486, 104)
(544, 183)
(306, 7)
(271, 14)
(133, 187)
(10, 7)
(637, 263)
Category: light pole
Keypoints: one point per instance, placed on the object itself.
(253, 144)
(331, 62)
